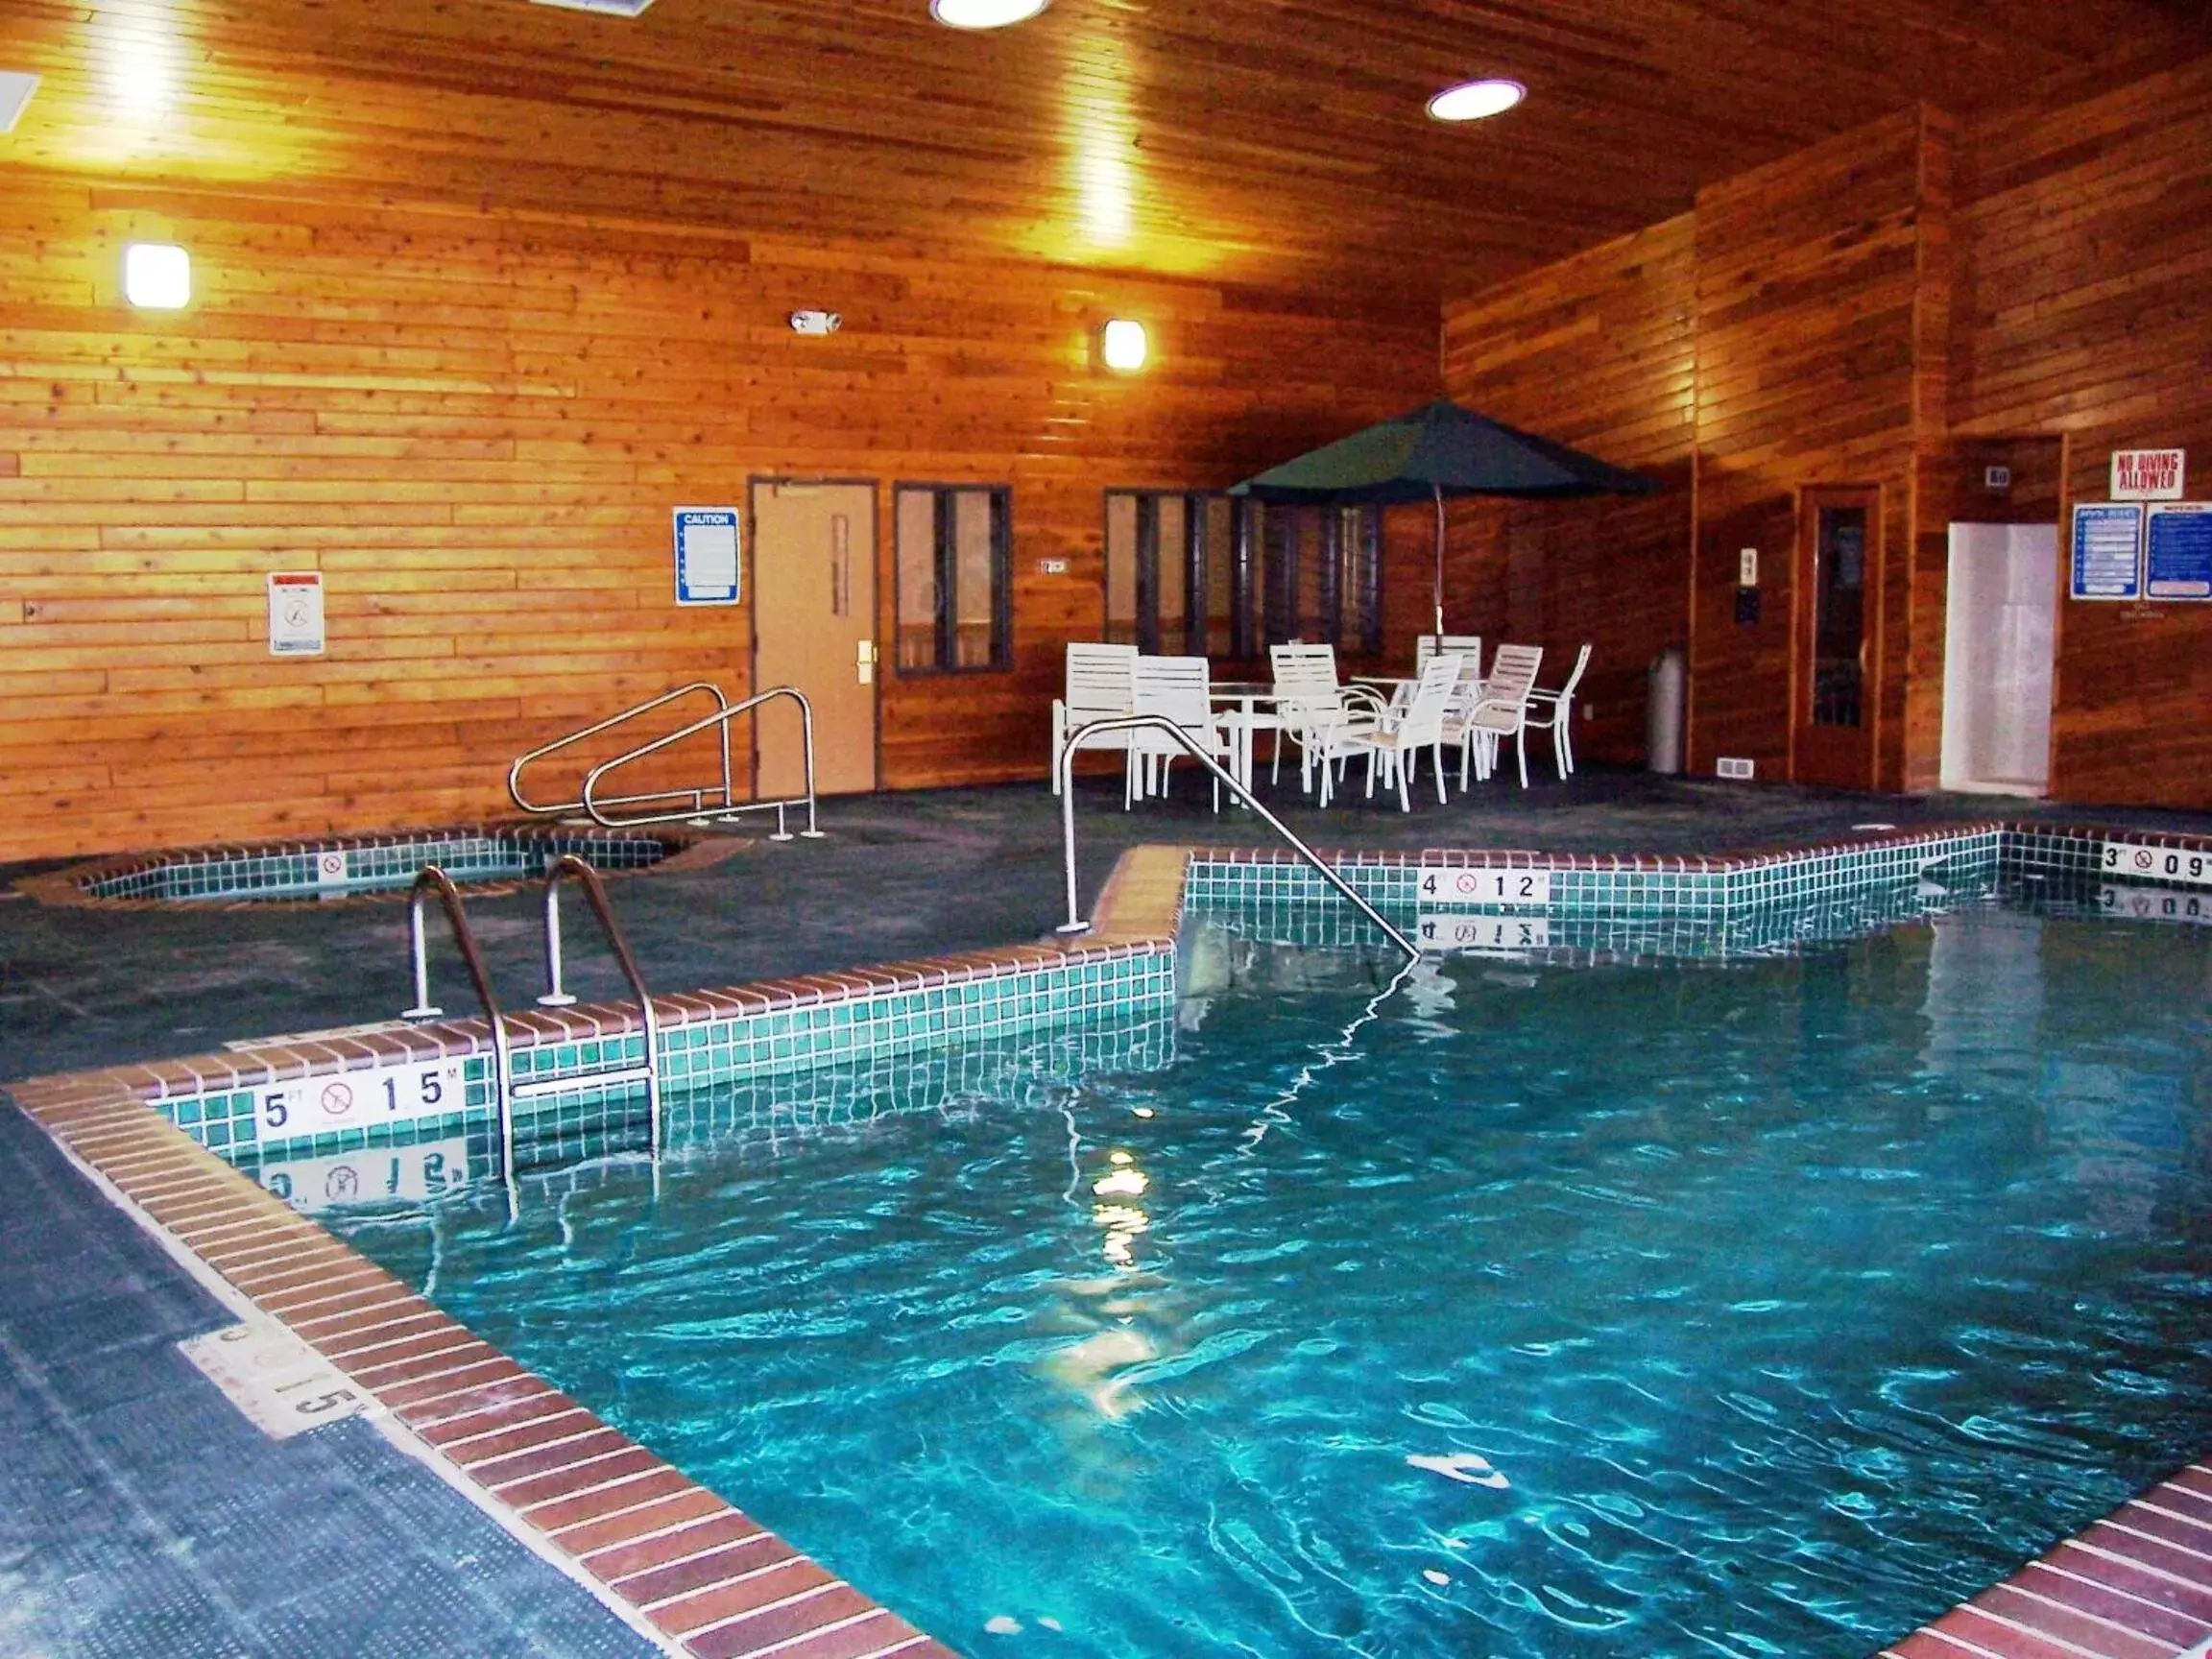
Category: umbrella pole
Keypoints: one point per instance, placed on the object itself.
(1438, 592)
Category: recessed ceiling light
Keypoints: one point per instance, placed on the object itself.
(984, 14)
(1476, 100)
(604, 8)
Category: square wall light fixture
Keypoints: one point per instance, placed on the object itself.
(1126, 347)
(157, 275)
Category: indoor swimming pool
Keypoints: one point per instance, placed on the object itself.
(1528, 1302)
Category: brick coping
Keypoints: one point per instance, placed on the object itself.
(661, 1548)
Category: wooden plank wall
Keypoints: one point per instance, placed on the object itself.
(1597, 352)
(1763, 342)
(1807, 277)
(2085, 309)
(475, 428)
(1895, 306)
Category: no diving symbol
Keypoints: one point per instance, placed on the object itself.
(331, 865)
(337, 1099)
(2143, 859)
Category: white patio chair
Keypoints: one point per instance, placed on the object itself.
(1310, 702)
(1501, 711)
(1426, 646)
(1397, 740)
(1466, 692)
(1177, 688)
(1468, 645)
(1553, 711)
(1100, 686)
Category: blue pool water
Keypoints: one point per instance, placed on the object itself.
(1755, 1309)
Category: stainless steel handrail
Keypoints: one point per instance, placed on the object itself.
(431, 880)
(1161, 723)
(514, 772)
(556, 996)
(591, 804)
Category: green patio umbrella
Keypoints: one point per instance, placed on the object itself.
(1437, 451)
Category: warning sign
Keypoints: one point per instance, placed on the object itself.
(2148, 474)
(295, 613)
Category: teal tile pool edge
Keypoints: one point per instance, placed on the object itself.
(718, 1036)
(707, 1037)
(1617, 887)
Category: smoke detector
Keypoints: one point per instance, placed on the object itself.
(815, 323)
(604, 8)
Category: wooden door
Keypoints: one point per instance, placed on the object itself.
(814, 626)
(1833, 634)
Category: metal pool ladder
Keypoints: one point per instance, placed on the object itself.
(710, 802)
(432, 881)
(1161, 723)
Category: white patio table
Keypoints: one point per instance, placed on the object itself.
(1247, 706)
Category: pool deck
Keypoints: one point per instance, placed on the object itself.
(901, 877)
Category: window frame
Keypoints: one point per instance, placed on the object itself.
(944, 561)
(1324, 544)
(1196, 552)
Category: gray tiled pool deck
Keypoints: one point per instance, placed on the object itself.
(142, 1517)
(139, 1513)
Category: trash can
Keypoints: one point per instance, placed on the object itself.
(1665, 684)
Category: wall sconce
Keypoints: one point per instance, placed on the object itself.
(1125, 346)
(157, 275)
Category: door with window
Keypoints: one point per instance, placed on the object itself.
(814, 626)
(1833, 636)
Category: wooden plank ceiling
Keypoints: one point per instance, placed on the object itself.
(1276, 143)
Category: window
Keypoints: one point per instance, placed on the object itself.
(1838, 614)
(1217, 576)
(1320, 575)
(955, 600)
(1169, 571)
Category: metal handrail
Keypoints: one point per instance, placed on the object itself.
(514, 772)
(428, 880)
(1161, 723)
(556, 996)
(721, 718)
